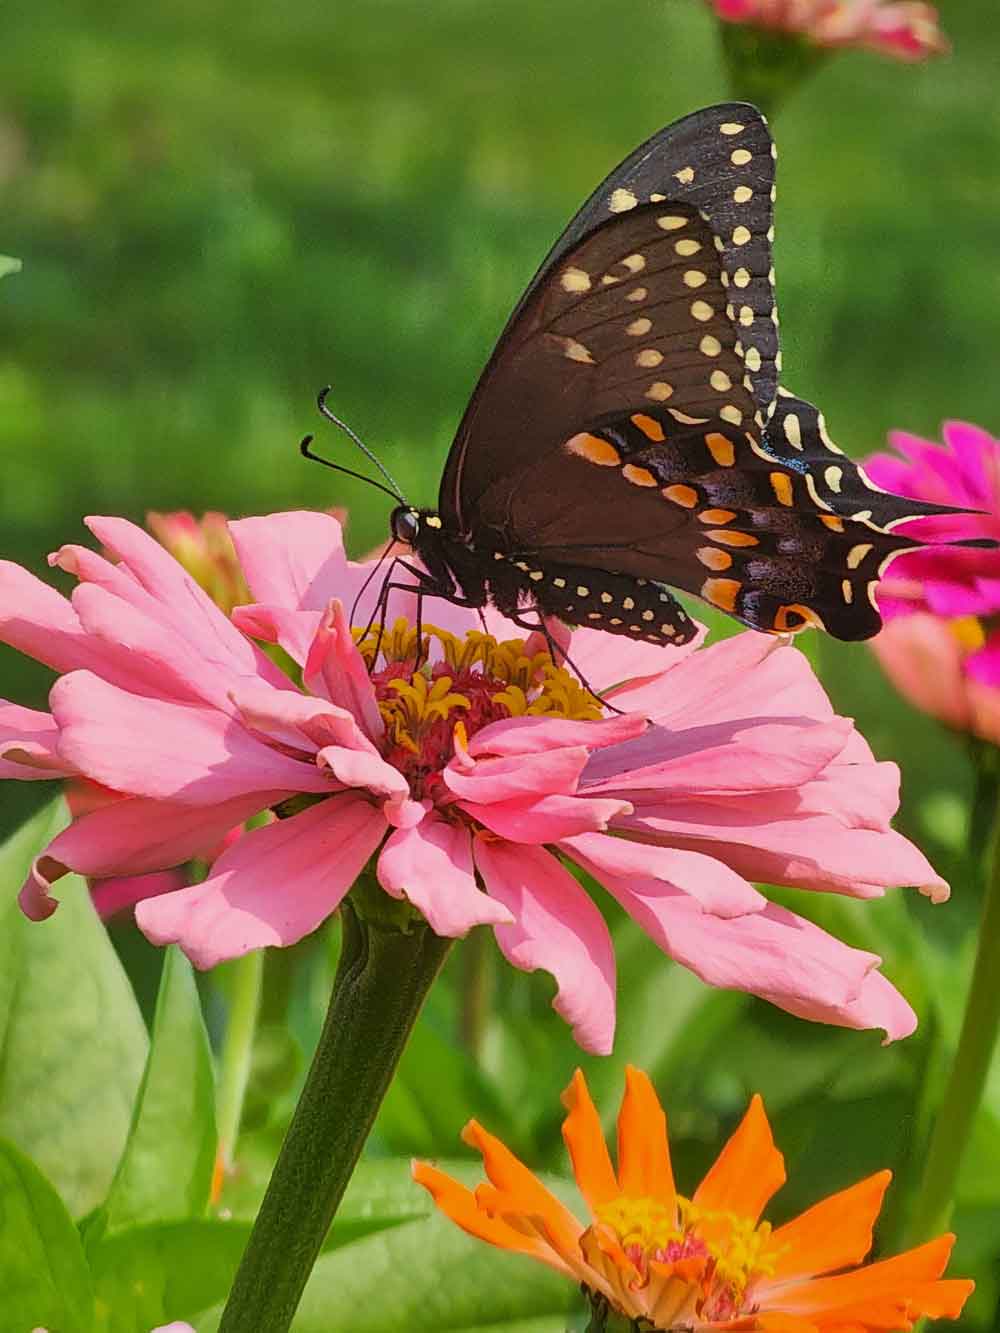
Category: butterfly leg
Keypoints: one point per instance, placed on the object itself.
(556, 651)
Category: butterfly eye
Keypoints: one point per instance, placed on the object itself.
(405, 525)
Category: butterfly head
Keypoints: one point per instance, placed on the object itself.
(414, 526)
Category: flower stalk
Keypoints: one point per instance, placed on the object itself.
(389, 960)
(964, 1090)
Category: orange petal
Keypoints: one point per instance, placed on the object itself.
(747, 1171)
(584, 1139)
(905, 1282)
(524, 1192)
(835, 1233)
(770, 1322)
(644, 1169)
(458, 1203)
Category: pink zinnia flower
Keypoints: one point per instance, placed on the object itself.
(475, 784)
(905, 29)
(964, 472)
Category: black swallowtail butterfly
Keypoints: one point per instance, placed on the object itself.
(630, 430)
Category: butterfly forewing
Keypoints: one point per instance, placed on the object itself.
(631, 318)
(629, 432)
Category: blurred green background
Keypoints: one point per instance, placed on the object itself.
(221, 207)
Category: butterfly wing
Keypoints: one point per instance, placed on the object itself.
(719, 163)
(621, 426)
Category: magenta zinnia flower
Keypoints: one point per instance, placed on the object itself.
(964, 584)
(474, 786)
(905, 29)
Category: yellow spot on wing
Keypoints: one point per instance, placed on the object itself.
(833, 476)
(701, 311)
(694, 278)
(741, 235)
(721, 593)
(720, 381)
(649, 356)
(687, 246)
(637, 294)
(685, 175)
(731, 127)
(742, 194)
(593, 449)
(740, 157)
(731, 414)
(575, 280)
(621, 201)
(857, 553)
(649, 426)
(634, 263)
(848, 591)
(638, 327)
(671, 222)
(709, 345)
(793, 431)
(659, 391)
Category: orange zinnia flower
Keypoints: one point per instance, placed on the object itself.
(707, 1262)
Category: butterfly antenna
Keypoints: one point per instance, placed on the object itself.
(392, 489)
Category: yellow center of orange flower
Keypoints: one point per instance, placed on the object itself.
(729, 1252)
(471, 682)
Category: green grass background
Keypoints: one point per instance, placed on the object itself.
(222, 207)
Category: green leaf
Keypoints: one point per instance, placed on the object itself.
(148, 1276)
(45, 1281)
(166, 1168)
(72, 1041)
(9, 265)
(428, 1277)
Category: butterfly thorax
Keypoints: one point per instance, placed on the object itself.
(477, 570)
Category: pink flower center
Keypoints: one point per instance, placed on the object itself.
(464, 685)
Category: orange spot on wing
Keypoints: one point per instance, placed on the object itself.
(721, 448)
(649, 426)
(735, 538)
(834, 523)
(593, 449)
(721, 593)
(796, 616)
(685, 496)
(714, 516)
(638, 476)
(712, 558)
(781, 484)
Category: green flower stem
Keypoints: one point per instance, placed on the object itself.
(389, 960)
(237, 1050)
(765, 67)
(964, 1090)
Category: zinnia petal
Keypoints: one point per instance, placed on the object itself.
(558, 928)
(584, 1139)
(644, 1169)
(430, 865)
(835, 1233)
(747, 1172)
(314, 857)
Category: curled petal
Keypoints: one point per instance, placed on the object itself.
(554, 772)
(28, 741)
(529, 735)
(272, 887)
(646, 870)
(558, 928)
(132, 836)
(548, 819)
(335, 670)
(169, 751)
(431, 866)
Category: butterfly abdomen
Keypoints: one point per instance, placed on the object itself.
(592, 598)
